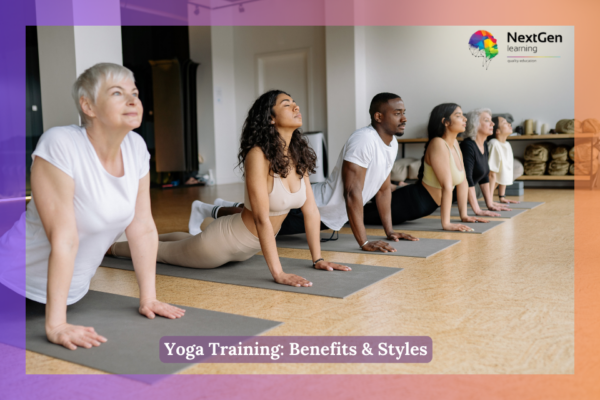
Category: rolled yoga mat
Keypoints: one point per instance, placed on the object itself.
(255, 273)
(525, 205)
(347, 244)
(133, 340)
(454, 212)
(434, 225)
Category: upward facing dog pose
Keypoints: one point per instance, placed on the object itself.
(88, 184)
(276, 160)
(361, 173)
(479, 128)
(441, 171)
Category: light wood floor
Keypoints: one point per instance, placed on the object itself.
(498, 303)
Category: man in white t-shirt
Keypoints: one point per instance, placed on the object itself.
(361, 173)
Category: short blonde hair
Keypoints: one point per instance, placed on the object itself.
(89, 82)
(473, 122)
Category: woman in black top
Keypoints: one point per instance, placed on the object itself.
(475, 158)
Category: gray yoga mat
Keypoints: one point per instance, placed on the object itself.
(526, 205)
(133, 340)
(347, 244)
(503, 214)
(434, 225)
(255, 273)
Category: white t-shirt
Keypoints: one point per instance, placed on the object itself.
(366, 149)
(104, 207)
(501, 161)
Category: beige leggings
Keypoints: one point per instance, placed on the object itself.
(225, 239)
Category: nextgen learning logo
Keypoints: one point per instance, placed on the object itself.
(483, 45)
(528, 49)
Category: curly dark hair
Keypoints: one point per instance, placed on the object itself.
(258, 131)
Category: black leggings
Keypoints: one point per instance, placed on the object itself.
(294, 223)
(408, 203)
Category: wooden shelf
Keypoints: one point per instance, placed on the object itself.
(553, 178)
(555, 136)
(412, 140)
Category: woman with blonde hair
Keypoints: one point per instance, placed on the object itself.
(89, 183)
(475, 153)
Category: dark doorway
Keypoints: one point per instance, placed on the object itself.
(34, 122)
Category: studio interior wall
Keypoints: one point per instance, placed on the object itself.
(252, 41)
(200, 52)
(432, 65)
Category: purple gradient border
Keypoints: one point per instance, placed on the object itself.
(14, 16)
(14, 383)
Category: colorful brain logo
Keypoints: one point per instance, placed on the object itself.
(483, 44)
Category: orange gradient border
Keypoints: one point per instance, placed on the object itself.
(584, 15)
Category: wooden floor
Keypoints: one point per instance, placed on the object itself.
(498, 303)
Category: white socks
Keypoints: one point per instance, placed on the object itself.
(201, 211)
(225, 203)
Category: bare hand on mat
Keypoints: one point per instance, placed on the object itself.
(151, 308)
(507, 201)
(499, 207)
(379, 245)
(329, 266)
(474, 219)
(292, 280)
(396, 236)
(73, 336)
(457, 227)
(487, 213)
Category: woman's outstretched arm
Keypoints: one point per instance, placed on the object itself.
(143, 244)
(312, 226)
(257, 170)
(439, 159)
(54, 191)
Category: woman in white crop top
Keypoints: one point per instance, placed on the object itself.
(89, 184)
(276, 160)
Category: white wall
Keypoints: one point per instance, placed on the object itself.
(200, 52)
(252, 41)
(56, 47)
(432, 65)
(226, 131)
(94, 44)
(234, 51)
(341, 89)
(65, 52)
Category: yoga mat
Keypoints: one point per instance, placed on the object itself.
(434, 225)
(347, 244)
(503, 214)
(255, 273)
(133, 340)
(526, 205)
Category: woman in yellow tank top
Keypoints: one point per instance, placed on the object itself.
(442, 166)
(441, 171)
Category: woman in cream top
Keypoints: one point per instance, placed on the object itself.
(276, 161)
